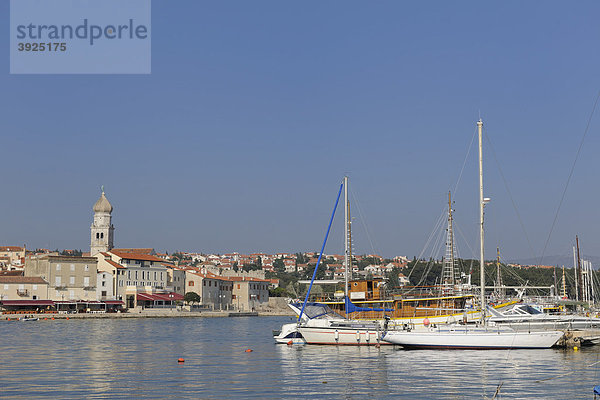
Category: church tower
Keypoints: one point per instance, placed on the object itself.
(102, 228)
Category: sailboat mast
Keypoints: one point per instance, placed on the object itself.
(575, 270)
(346, 236)
(564, 284)
(449, 275)
(481, 255)
(578, 268)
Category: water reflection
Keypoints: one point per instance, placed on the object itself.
(137, 358)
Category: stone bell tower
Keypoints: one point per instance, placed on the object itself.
(102, 229)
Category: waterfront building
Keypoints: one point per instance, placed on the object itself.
(249, 293)
(105, 290)
(214, 291)
(134, 274)
(102, 229)
(176, 278)
(17, 288)
(69, 278)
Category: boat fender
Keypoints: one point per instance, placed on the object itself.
(358, 336)
(336, 335)
(368, 336)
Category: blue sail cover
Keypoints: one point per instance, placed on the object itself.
(596, 390)
(351, 307)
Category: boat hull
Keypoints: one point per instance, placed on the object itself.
(469, 338)
(340, 336)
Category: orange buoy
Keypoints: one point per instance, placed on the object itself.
(426, 322)
(291, 342)
(52, 317)
(45, 319)
(248, 350)
(8, 319)
(67, 317)
(180, 360)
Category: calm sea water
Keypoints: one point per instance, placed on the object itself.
(137, 358)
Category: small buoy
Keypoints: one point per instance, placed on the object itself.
(67, 317)
(52, 317)
(45, 319)
(575, 348)
(291, 342)
(180, 360)
(248, 350)
(426, 321)
(8, 319)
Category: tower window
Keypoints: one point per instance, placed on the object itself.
(102, 235)
(97, 235)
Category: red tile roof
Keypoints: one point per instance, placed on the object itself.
(136, 256)
(114, 264)
(22, 279)
(135, 251)
(11, 248)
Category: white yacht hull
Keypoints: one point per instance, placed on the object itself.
(289, 334)
(341, 336)
(473, 338)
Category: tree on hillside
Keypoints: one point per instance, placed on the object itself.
(278, 265)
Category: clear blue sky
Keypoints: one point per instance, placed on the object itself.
(254, 111)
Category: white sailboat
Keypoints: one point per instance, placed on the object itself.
(342, 331)
(473, 337)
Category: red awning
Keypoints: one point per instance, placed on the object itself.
(114, 302)
(27, 303)
(159, 296)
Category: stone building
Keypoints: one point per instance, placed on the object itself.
(23, 288)
(249, 293)
(102, 229)
(69, 278)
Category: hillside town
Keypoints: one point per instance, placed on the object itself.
(108, 279)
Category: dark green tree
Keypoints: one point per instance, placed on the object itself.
(192, 297)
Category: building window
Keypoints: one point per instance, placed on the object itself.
(128, 274)
(86, 281)
(103, 293)
(57, 280)
(86, 268)
(191, 283)
(58, 267)
(120, 283)
(154, 275)
(34, 287)
(72, 267)
(34, 297)
(5, 287)
(71, 280)
(136, 274)
(97, 235)
(203, 283)
(71, 294)
(239, 285)
(103, 283)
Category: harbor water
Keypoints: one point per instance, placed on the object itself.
(138, 358)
